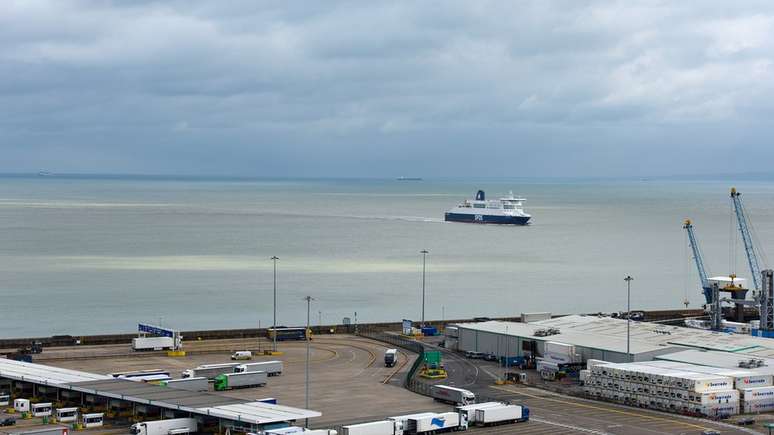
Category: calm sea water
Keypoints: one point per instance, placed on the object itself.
(83, 256)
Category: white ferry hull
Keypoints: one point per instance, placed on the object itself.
(486, 218)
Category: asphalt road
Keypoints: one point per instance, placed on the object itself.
(555, 413)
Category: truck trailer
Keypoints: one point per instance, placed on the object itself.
(384, 427)
(188, 384)
(453, 395)
(230, 381)
(165, 427)
(153, 343)
(433, 423)
(501, 415)
(272, 368)
(469, 411)
(209, 371)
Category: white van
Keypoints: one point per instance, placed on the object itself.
(242, 355)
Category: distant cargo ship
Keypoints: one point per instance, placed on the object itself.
(507, 210)
(409, 178)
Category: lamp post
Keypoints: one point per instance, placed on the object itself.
(308, 300)
(274, 324)
(424, 253)
(628, 280)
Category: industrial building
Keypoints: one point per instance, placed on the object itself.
(602, 338)
(121, 397)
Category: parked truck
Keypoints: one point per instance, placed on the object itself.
(188, 384)
(153, 343)
(501, 415)
(165, 427)
(390, 357)
(210, 371)
(272, 368)
(230, 381)
(453, 395)
(384, 427)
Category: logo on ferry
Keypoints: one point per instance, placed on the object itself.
(478, 217)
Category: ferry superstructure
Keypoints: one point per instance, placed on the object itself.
(507, 211)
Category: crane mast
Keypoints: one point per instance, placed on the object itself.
(744, 229)
(705, 285)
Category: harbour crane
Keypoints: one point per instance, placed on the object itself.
(749, 248)
(699, 260)
(763, 291)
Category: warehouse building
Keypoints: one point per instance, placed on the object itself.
(143, 401)
(602, 338)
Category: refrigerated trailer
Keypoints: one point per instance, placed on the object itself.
(230, 381)
(469, 411)
(390, 357)
(433, 423)
(272, 368)
(165, 427)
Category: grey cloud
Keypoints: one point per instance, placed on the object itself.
(282, 88)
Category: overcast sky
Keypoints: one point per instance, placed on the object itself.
(364, 88)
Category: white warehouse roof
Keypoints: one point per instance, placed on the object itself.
(609, 334)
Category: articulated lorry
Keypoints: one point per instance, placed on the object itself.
(172, 426)
(453, 395)
(272, 368)
(230, 381)
(209, 371)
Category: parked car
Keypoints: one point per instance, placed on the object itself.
(8, 421)
(490, 357)
(474, 355)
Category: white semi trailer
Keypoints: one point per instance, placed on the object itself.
(469, 411)
(188, 384)
(165, 427)
(453, 395)
(442, 422)
(501, 415)
(153, 343)
(272, 368)
(384, 427)
(210, 371)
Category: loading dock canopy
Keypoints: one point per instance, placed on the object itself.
(200, 403)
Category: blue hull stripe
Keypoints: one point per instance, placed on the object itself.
(486, 219)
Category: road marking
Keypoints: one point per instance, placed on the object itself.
(617, 411)
(569, 426)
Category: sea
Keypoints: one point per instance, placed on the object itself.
(100, 254)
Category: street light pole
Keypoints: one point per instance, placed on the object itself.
(424, 253)
(274, 324)
(309, 300)
(628, 280)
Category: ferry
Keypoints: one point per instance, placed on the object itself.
(507, 210)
